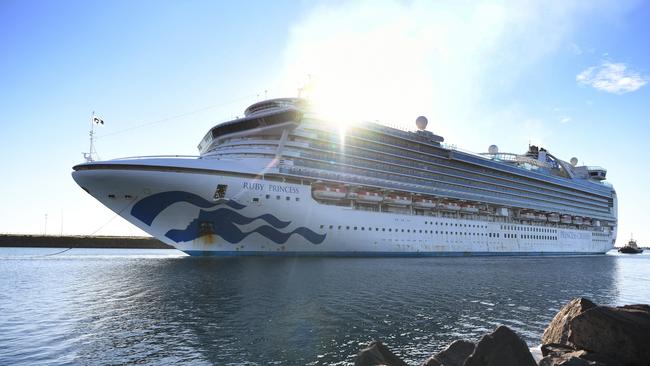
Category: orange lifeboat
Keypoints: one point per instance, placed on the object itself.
(422, 202)
(325, 192)
(397, 200)
(466, 207)
(527, 215)
(449, 206)
(369, 197)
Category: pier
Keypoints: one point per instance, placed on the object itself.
(80, 241)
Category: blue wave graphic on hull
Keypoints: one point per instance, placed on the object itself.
(148, 208)
(220, 222)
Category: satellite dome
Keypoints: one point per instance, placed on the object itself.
(574, 161)
(493, 149)
(421, 122)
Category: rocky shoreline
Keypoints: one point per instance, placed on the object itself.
(581, 334)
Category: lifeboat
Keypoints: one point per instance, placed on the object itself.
(397, 200)
(369, 197)
(449, 206)
(565, 219)
(554, 217)
(424, 203)
(329, 193)
(577, 220)
(468, 208)
(540, 217)
(586, 222)
(527, 215)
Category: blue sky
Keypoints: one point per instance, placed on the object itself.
(569, 75)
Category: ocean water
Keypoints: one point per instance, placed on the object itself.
(99, 306)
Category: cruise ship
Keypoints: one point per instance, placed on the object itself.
(282, 180)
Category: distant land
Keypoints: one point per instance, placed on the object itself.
(78, 241)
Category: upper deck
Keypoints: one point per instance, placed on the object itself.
(271, 117)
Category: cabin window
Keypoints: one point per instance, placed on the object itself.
(220, 192)
(256, 199)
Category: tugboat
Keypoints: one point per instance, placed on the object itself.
(630, 248)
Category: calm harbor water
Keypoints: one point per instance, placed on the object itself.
(98, 306)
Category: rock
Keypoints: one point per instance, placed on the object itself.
(578, 358)
(567, 359)
(621, 333)
(377, 354)
(555, 349)
(501, 348)
(454, 355)
(558, 330)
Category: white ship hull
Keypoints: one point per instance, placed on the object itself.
(269, 217)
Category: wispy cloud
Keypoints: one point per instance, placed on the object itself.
(612, 77)
(393, 60)
(565, 119)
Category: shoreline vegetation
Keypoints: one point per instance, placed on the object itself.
(81, 241)
(581, 334)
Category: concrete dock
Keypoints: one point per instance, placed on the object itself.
(78, 241)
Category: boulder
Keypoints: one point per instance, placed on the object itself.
(454, 355)
(377, 354)
(578, 358)
(621, 333)
(555, 349)
(503, 347)
(558, 330)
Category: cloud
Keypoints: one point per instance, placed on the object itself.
(565, 119)
(612, 77)
(451, 61)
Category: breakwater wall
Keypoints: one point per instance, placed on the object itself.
(79, 241)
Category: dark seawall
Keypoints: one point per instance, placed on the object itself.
(76, 241)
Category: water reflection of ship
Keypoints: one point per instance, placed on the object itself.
(263, 310)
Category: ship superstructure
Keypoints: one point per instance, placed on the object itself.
(281, 180)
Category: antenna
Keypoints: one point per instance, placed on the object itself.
(91, 150)
(90, 155)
